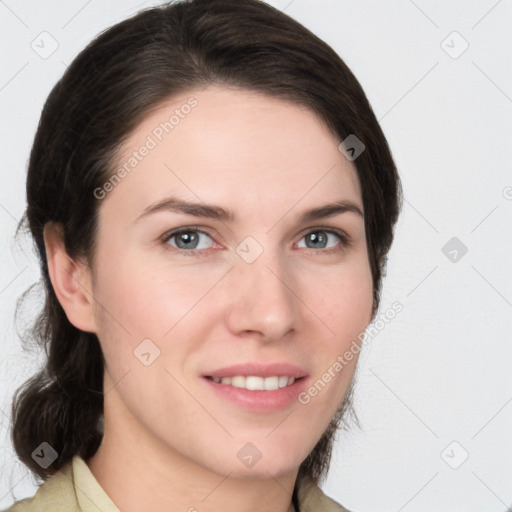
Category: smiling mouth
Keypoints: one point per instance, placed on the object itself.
(256, 383)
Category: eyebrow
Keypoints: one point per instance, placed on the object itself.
(219, 213)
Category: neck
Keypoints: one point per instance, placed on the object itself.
(139, 473)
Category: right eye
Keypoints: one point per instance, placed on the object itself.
(189, 241)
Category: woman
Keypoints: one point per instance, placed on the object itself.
(212, 200)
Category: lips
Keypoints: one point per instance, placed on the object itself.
(252, 397)
(258, 370)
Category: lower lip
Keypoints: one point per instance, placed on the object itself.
(260, 400)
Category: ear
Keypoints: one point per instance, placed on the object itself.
(71, 280)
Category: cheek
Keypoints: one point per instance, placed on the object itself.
(142, 301)
(146, 300)
(343, 299)
(343, 303)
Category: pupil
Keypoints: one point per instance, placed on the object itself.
(313, 237)
(187, 238)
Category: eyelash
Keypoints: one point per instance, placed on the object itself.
(345, 240)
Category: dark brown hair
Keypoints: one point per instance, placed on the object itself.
(121, 76)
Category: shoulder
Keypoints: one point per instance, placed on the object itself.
(71, 489)
(56, 494)
(313, 499)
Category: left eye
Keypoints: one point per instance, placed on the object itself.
(319, 239)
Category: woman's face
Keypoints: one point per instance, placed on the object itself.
(268, 284)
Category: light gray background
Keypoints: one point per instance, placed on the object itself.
(439, 372)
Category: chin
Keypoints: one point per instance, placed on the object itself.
(262, 471)
(249, 463)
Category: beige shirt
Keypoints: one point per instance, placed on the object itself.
(75, 489)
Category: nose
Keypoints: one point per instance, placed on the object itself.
(262, 299)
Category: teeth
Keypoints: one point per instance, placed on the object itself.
(283, 381)
(254, 383)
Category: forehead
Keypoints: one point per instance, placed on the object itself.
(236, 147)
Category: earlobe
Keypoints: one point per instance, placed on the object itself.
(71, 280)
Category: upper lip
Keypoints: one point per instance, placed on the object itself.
(258, 369)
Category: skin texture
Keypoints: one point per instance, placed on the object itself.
(170, 443)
